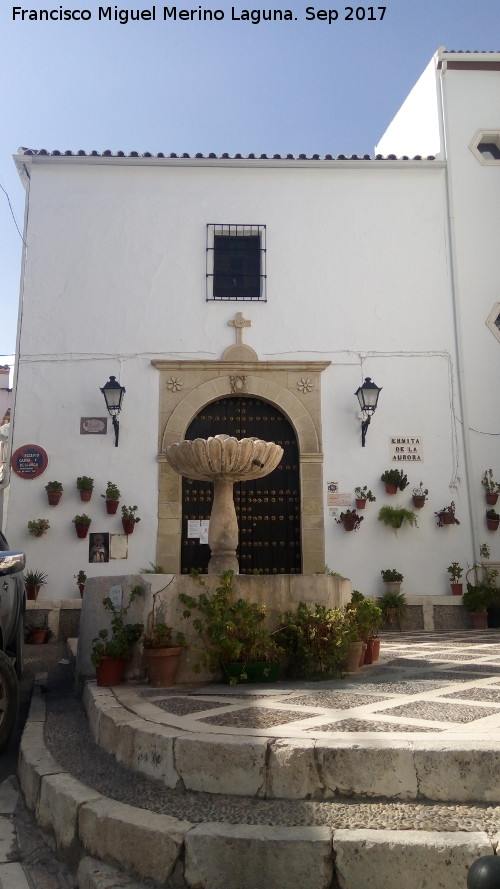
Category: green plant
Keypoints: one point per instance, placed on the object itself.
(364, 494)
(484, 551)
(53, 486)
(394, 516)
(392, 603)
(390, 575)
(37, 527)
(81, 577)
(35, 578)
(85, 483)
(316, 641)
(455, 572)
(420, 491)
(153, 569)
(350, 519)
(112, 492)
(117, 642)
(82, 520)
(128, 514)
(395, 477)
(488, 483)
(365, 614)
(491, 514)
(231, 630)
(162, 636)
(446, 516)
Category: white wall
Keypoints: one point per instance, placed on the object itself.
(358, 274)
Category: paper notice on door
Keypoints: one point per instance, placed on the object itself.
(193, 528)
(204, 530)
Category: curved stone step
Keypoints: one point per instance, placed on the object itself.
(147, 846)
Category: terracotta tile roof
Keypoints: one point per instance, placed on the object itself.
(40, 152)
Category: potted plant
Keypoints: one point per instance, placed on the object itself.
(129, 518)
(350, 520)
(111, 648)
(54, 492)
(419, 496)
(393, 606)
(161, 652)
(392, 579)
(367, 617)
(112, 498)
(33, 580)
(37, 527)
(394, 516)
(491, 487)
(492, 519)
(80, 578)
(82, 524)
(481, 594)
(362, 494)
(394, 480)
(455, 573)
(37, 634)
(316, 641)
(85, 485)
(446, 516)
(232, 634)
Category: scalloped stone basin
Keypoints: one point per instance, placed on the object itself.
(223, 460)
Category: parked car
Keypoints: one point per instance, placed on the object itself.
(12, 610)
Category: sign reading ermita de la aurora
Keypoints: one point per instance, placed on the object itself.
(406, 449)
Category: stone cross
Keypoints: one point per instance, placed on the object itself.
(239, 323)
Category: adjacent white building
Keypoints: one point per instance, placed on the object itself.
(138, 267)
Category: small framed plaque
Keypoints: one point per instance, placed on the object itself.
(93, 425)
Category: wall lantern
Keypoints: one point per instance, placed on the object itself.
(113, 396)
(368, 395)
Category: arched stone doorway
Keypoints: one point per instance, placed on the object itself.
(268, 509)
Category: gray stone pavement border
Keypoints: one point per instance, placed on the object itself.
(214, 855)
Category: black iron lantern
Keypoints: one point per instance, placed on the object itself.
(113, 396)
(367, 395)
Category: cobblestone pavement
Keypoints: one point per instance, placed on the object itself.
(424, 687)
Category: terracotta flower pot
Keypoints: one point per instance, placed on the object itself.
(418, 501)
(362, 655)
(111, 506)
(128, 526)
(32, 593)
(38, 636)
(360, 502)
(110, 671)
(354, 657)
(54, 497)
(447, 518)
(491, 499)
(479, 620)
(492, 524)
(82, 531)
(368, 659)
(81, 587)
(456, 589)
(85, 496)
(349, 525)
(390, 489)
(162, 664)
(376, 647)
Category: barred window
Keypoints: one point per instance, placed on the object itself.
(236, 262)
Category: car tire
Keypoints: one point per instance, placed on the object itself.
(9, 700)
(18, 648)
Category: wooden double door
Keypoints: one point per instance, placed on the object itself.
(268, 509)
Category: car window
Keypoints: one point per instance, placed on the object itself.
(3, 543)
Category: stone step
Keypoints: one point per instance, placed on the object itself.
(131, 845)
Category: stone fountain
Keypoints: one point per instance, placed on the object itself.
(223, 460)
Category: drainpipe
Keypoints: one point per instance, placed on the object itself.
(457, 326)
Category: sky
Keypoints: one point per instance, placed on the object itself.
(318, 84)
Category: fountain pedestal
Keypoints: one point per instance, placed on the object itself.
(223, 460)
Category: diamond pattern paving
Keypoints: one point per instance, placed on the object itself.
(476, 694)
(365, 725)
(337, 699)
(257, 717)
(440, 712)
(186, 706)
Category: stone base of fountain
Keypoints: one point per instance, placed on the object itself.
(279, 593)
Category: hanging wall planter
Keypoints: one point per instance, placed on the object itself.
(129, 518)
(350, 520)
(362, 494)
(38, 527)
(394, 480)
(82, 524)
(446, 516)
(112, 498)
(395, 516)
(419, 496)
(492, 519)
(491, 487)
(54, 492)
(85, 485)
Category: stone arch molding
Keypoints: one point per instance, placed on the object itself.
(280, 383)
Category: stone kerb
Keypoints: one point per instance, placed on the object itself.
(457, 771)
(278, 593)
(216, 855)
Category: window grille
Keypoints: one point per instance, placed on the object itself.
(236, 262)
